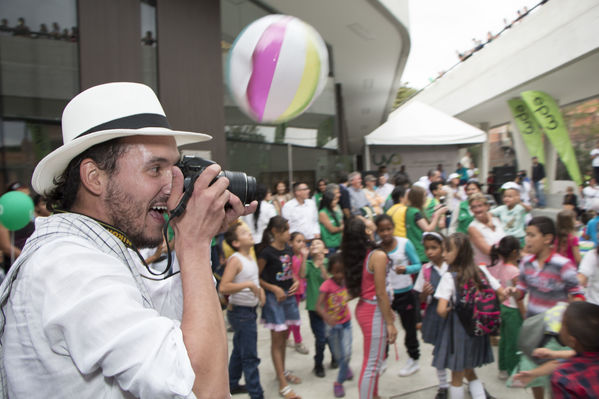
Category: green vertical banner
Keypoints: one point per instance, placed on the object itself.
(549, 117)
(528, 127)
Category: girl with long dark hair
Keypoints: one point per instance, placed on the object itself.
(365, 277)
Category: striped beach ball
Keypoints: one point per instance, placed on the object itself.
(277, 67)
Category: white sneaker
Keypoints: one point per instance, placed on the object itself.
(410, 368)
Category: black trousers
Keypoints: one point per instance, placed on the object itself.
(406, 306)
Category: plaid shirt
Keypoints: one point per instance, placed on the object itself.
(577, 377)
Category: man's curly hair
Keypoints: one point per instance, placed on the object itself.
(105, 155)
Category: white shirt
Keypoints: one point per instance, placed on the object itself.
(491, 237)
(446, 288)
(453, 197)
(77, 328)
(589, 193)
(525, 192)
(267, 211)
(589, 266)
(302, 217)
(420, 280)
(248, 272)
(385, 190)
(595, 163)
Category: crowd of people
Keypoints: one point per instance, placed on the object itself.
(56, 33)
(409, 252)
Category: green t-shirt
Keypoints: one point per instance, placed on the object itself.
(430, 208)
(414, 233)
(464, 217)
(331, 240)
(313, 282)
(513, 220)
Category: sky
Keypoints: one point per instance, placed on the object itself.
(439, 27)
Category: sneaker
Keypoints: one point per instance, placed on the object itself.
(338, 390)
(350, 375)
(442, 393)
(383, 367)
(301, 348)
(319, 371)
(238, 389)
(410, 368)
(503, 375)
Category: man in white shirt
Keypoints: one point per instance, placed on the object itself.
(384, 188)
(589, 193)
(301, 213)
(83, 316)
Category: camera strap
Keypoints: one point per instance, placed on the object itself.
(111, 229)
(122, 237)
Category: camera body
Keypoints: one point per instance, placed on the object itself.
(240, 184)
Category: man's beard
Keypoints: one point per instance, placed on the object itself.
(128, 215)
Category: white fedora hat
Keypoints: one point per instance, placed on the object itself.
(103, 113)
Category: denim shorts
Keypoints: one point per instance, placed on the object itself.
(278, 315)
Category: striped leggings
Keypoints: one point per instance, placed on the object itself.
(373, 327)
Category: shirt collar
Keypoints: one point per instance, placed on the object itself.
(534, 257)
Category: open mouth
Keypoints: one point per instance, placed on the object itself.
(158, 211)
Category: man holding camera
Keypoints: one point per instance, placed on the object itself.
(83, 315)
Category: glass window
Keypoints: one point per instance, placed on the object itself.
(39, 65)
(149, 43)
(22, 145)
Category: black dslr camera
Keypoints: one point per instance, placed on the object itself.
(240, 184)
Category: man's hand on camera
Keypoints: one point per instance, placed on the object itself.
(205, 211)
(236, 209)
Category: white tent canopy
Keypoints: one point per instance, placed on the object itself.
(417, 123)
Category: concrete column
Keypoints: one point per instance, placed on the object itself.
(109, 41)
(190, 70)
(523, 157)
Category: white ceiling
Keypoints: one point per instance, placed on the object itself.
(370, 48)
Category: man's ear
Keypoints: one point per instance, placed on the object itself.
(93, 179)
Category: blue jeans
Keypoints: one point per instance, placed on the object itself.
(539, 193)
(320, 336)
(244, 357)
(340, 341)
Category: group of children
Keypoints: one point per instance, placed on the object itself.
(270, 282)
(380, 275)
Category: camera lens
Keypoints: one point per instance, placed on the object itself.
(242, 185)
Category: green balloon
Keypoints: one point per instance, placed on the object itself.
(16, 210)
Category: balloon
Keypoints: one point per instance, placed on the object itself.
(16, 210)
(277, 67)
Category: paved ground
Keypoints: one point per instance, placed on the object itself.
(421, 385)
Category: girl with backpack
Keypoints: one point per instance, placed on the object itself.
(464, 343)
(504, 258)
(426, 284)
(365, 274)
